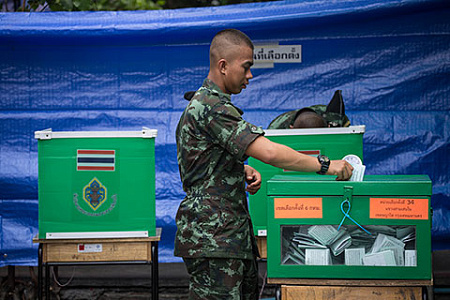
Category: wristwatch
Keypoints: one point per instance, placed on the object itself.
(325, 164)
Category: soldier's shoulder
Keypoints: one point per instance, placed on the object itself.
(206, 97)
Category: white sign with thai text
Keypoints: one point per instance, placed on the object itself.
(265, 56)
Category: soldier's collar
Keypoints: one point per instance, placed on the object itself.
(215, 89)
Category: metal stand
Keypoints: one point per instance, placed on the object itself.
(53, 253)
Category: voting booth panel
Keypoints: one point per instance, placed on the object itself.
(96, 184)
(332, 142)
(379, 228)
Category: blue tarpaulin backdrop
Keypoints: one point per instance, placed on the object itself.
(124, 70)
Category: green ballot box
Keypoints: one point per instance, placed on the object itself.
(332, 142)
(98, 184)
(379, 228)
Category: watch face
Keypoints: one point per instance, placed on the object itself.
(353, 159)
(323, 158)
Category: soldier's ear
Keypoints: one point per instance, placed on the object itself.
(222, 65)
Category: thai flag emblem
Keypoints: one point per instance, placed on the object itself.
(96, 160)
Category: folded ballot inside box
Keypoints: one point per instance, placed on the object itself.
(384, 248)
(328, 235)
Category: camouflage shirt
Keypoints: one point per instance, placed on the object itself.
(286, 119)
(212, 137)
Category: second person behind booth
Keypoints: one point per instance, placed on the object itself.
(316, 116)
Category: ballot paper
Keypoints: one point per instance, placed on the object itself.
(292, 254)
(325, 245)
(307, 244)
(305, 241)
(358, 173)
(386, 242)
(358, 167)
(383, 258)
(354, 256)
(360, 238)
(327, 235)
(318, 257)
(383, 242)
(289, 259)
(406, 234)
(410, 258)
(341, 243)
(297, 253)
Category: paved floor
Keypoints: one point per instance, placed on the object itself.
(133, 282)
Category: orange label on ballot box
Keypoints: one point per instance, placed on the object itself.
(399, 208)
(298, 208)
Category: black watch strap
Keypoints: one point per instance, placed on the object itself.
(324, 163)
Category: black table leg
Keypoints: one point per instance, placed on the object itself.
(47, 281)
(155, 273)
(40, 272)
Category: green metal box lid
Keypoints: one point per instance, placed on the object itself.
(48, 134)
(382, 185)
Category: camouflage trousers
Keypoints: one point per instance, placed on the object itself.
(222, 278)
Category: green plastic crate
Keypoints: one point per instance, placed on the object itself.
(379, 228)
(98, 184)
(333, 142)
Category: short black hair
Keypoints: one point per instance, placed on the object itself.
(307, 118)
(234, 36)
(226, 38)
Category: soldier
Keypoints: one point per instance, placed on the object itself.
(331, 115)
(215, 236)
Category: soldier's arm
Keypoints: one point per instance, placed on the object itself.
(284, 157)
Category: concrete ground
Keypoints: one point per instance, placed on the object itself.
(133, 281)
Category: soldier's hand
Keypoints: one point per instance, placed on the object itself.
(253, 179)
(342, 169)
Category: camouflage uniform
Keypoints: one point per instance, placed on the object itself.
(222, 278)
(213, 220)
(286, 119)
